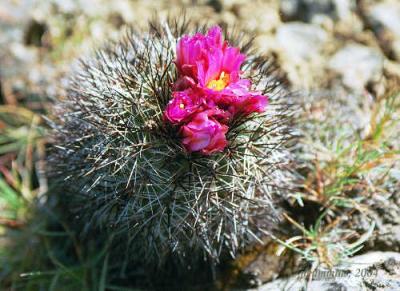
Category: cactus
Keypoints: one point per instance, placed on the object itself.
(122, 170)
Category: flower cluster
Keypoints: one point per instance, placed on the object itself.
(209, 92)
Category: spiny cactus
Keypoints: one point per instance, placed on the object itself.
(123, 169)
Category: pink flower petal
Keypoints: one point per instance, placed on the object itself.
(209, 91)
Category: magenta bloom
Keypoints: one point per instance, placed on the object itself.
(209, 92)
(182, 106)
(208, 60)
(194, 49)
(204, 134)
(238, 99)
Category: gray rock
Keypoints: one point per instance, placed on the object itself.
(344, 8)
(371, 271)
(263, 269)
(358, 65)
(396, 48)
(300, 41)
(308, 10)
(66, 6)
(385, 20)
(387, 14)
(264, 17)
(305, 10)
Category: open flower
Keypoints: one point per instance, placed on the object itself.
(238, 99)
(210, 64)
(182, 106)
(194, 49)
(204, 134)
(209, 91)
(208, 60)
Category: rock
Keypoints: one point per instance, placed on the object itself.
(126, 10)
(396, 48)
(216, 4)
(396, 233)
(34, 33)
(230, 3)
(23, 53)
(306, 10)
(384, 19)
(300, 41)
(264, 17)
(344, 8)
(326, 13)
(385, 211)
(387, 14)
(265, 267)
(300, 48)
(371, 271)
(265, 43)
(260, 264)
(66, 6)
(358, 65)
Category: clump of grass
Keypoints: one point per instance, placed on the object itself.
(21, 155)
(37, 249)
(22, 180)
(122, 170)
(323, 243)
(349, 167)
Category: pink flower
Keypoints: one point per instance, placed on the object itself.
(182, 106)
(192, 49)
(249, 104)
(208, 63)
(209, 92)
(207, 60)
(238, 99)
(204, 134)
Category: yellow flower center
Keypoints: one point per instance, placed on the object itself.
(220, 83)
(182, 106)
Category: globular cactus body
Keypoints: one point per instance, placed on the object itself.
(123, 168)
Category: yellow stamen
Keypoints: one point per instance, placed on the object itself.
(182, 106)
(220, 83)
